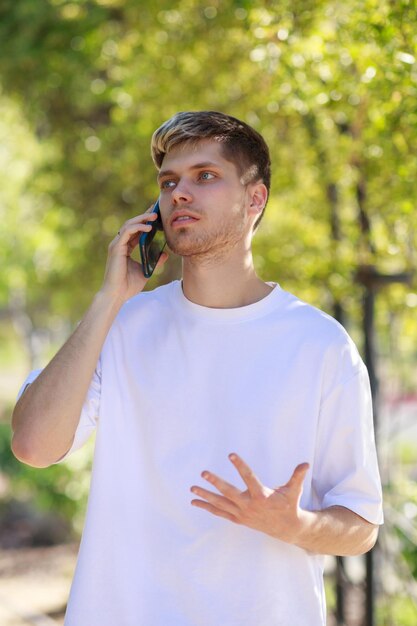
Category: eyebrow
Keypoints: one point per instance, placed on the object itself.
(197, 166)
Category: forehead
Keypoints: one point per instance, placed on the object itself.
(190, 154)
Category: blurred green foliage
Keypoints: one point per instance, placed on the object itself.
(398, 544)
(48, 491)
(331, 85)
(397, 611)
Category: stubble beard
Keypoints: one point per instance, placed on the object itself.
(211, 245)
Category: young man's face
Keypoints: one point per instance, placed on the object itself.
(205, 207)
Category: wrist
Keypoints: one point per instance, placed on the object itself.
(303, 528)
(109, 301)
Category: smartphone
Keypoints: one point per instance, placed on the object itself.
(152, 243)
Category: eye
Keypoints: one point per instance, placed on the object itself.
(167, 184)
(206, 175)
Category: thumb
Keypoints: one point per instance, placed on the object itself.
(162, 260)
(295, 483)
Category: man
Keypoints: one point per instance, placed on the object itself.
(222, 374)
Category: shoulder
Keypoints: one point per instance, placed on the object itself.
(322, 333)
(312, 320)
(141, 316)
(147, 304)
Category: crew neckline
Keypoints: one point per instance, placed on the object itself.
(236, 314)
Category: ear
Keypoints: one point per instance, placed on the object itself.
(258, 195)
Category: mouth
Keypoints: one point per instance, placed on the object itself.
(183, 219)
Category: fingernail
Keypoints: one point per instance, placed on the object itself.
(232, 457)
(205, 474)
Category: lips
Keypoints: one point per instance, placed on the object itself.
(181, 218)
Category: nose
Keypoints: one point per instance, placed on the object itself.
(181, 193)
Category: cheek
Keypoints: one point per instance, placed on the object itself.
(164, 203)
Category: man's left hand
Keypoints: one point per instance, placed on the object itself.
(275, 512)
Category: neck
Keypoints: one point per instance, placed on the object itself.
(224, 283)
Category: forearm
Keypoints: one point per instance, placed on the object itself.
(336, 530)
(46, 416)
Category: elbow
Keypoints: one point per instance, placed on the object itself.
(372, 539)
(27, 453)
(31, 446)
(367, 542)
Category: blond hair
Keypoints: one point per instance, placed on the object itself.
(241, 144)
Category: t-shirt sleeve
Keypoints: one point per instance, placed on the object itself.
(89, 412)
(346, 468)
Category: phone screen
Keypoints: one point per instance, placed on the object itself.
(152, 243)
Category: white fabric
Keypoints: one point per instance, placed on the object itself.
(179, 387)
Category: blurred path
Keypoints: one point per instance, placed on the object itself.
(34, 585)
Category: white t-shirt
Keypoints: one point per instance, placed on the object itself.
(178, 387)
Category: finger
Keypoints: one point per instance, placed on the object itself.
(214, 510)
(133, 242)
(144, 217)
(295, 483)
(225, 488)
(162, 259)
(220, 502)
(149, 209)
(251, 480)
(127, 231)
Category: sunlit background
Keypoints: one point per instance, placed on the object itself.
(332, 86)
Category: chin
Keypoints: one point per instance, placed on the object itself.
(187, 248)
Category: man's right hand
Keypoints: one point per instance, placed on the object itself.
(47, 414)
(123, 276)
